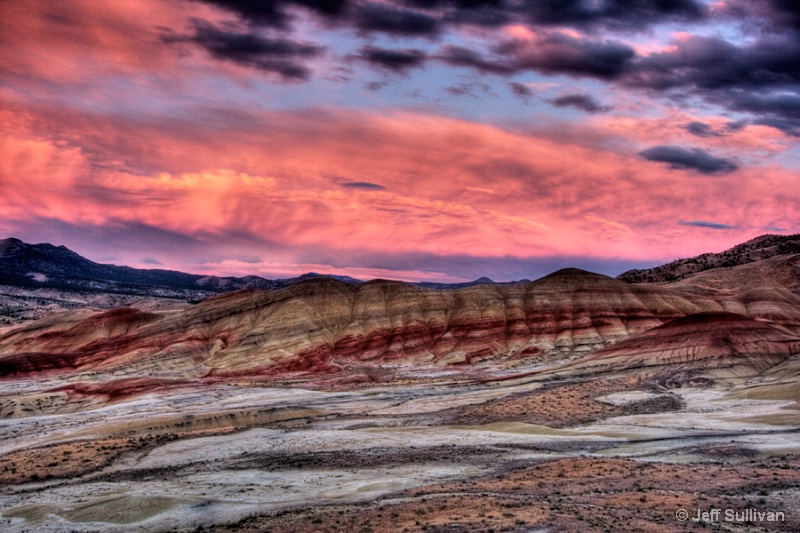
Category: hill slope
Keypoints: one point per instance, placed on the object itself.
(758, 249)
(324, 326)
(712, 344)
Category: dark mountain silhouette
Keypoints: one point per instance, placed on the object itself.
(57, 267)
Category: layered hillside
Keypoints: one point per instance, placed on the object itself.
(709, 344)
(323, 326)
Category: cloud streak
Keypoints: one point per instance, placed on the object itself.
(689, 159)
(364, 186)
(708, 225)
(584, 102)
(279, 55)
(393, 60)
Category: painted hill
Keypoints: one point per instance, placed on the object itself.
(714, 344)
(322, 326)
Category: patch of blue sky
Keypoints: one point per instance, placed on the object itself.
(789, 158)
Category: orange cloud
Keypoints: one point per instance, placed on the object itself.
(280, 180)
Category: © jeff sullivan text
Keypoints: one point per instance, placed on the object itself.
(730, 515)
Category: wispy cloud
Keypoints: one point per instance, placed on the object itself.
(397, 60)
(363, 185)
(689, 159)
(583, 102)
(279, 55)
(706, 224)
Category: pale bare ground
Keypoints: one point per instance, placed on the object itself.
(596, 455)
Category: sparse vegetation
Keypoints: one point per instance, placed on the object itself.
(756, 249)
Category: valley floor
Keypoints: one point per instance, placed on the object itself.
(612, 454)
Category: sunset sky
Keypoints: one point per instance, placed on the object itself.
(437, 140)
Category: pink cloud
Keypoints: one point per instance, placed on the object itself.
(74, 42)
(549, 197)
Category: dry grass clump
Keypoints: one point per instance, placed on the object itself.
(561, 405)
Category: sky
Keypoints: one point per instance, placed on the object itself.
(435, 140)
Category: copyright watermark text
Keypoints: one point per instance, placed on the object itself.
(729, 515)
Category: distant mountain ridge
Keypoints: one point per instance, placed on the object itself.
(48, 266)
(757, 249)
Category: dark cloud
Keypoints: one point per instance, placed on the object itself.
(714, 63)
(761, 78)
(267, 13)
(774, 229)
(701, 129)
(463, 89)
(695, 158)
(330, 8)
(787, 12)
(584, 102)
(374, 17)
(363, 185)
(553, 53)
(788, 126)
(736, 125)
(396, 60)
(376, 85)
(151, 261)
(768, 15)
(781, 111)
(459, 56)
(758, 76)
(558, 53)
(458, 4)
(473, 89)
(486, 16)
(704, 224)
(584, 14)
(614, 14)
(520, 89)
(279, 55)
(273, 12)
